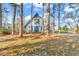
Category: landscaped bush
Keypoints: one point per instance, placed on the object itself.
(4, 31)
(63, 31)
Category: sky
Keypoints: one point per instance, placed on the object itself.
(37, 8)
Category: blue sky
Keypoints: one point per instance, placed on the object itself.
(37, 8)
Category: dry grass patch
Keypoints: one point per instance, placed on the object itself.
(38, 44)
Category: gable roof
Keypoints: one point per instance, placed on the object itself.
(35, 16)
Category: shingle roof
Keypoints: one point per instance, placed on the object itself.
(36, 15)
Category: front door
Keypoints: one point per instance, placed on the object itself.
(36, 29)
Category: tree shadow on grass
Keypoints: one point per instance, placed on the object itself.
(29, 45)
(38, 48)
(23, 45)
(33, 36)
(37, 44)
(5, 40)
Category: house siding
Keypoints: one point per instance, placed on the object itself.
(28, 28)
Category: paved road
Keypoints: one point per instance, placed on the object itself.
(74, 36)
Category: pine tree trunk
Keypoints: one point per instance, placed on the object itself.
(53, 18)
(43, 18)
(31, 16)
(21, 20)
(0, 15)
(13, 21)
(59, 17)
(48, 19)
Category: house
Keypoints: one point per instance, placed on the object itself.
(36, 24)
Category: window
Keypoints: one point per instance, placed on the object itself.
(36, 21)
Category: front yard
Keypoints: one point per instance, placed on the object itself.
(38, 45)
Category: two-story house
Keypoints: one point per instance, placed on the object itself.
(36, 24)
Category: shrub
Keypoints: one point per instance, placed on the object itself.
(4, 31)
(63, 31)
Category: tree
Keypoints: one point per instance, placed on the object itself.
(42, 17)
(0, 15)
(48, 19)
(65, 28)
(74, 18)
(59, 5)
(31, 15)
(5, 20)
(14, 5)
(53, 18)
(68, 23)
(21, 20)
(74, 15)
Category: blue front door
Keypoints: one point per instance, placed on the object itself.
(36, 29)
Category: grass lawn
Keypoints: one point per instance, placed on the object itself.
(38, 45)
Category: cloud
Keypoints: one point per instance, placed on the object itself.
(38, 5)
(27, 18)
(9, 19)
(27, 5)
(62, 15)
(36, 9)
(44, 15)
(70, 21)
(51, 5)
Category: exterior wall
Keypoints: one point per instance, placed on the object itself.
(28, 28)
(39, 25)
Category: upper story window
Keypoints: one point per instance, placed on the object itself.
(36, 21)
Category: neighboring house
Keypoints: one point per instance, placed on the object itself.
(36, 24)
